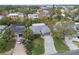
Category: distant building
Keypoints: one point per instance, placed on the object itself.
(32, 16)
(15, 15)
(46, 7)
(43, 13)
(40, 28)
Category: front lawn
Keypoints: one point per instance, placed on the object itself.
(38, 46)
(59, 45)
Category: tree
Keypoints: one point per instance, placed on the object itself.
(65, 29)
(28, 34)
(4, 21)
(6, 41)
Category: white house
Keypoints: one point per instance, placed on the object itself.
(46, 13)
(40, 28)
(32, 16)
(15, 15)
(43, 13)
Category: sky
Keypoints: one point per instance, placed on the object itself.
(27, 2)
(37, 2)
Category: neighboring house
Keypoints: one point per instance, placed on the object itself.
(39, 14)
(32, 16)
(43, 13)
(15, 15)
(2, 28)
(18, 29)
(64, 25)
(1, 17)
(40, 28)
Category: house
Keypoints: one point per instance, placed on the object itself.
(2, 28)
(17, 29)
(40, 28)
(15, 15)
(43, 13)
(65, 25)
(32, 16)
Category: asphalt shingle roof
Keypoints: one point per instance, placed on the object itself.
(18, 28)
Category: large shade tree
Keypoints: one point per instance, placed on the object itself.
(65, 29)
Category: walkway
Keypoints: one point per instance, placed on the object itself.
(70, 44)
(49, 45)
(19, 49)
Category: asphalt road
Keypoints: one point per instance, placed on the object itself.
(74, 52)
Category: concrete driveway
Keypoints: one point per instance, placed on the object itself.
(19, 47)
(70, 44)
(49, 45)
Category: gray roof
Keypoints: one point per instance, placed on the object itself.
(40, 29)
(18, 28)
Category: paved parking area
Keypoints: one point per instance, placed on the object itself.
(19, 47)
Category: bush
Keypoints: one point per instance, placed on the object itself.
(6, 41)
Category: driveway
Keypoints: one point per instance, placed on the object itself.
(19, 48)
(70, 44)
(49, 45)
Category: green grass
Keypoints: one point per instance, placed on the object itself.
(59, 45)
(38, 46)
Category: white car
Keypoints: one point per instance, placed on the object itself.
(19, 41)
